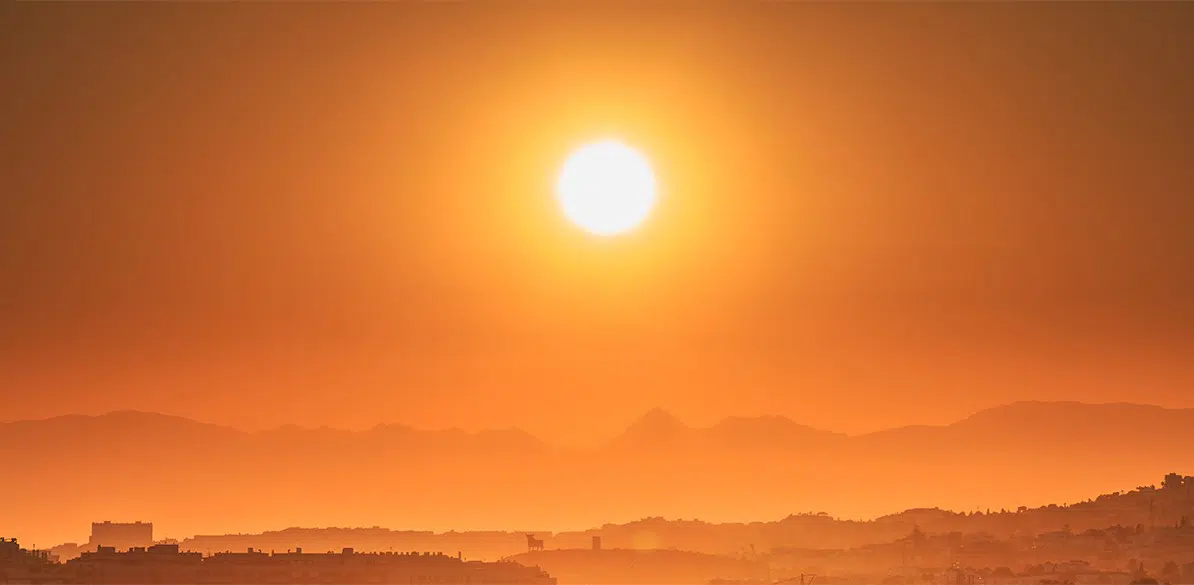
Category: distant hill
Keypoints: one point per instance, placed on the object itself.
(659, 430)
(195, 478)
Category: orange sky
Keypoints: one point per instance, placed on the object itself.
(870, 215)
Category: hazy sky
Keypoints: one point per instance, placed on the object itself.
(341, 214)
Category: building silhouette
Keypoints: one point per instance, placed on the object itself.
(121, 535)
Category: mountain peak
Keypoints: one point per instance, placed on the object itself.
(655, 426)
(658, 418)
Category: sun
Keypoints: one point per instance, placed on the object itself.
(606, 188)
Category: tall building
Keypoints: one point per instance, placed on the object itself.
(9, 549)
(121, 535)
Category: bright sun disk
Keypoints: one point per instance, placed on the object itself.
(606, 188)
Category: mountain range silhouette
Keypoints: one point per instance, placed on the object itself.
(194, 478)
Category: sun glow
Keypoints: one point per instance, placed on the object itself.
(606, 188)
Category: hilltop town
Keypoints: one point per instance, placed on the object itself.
(1145, 532)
